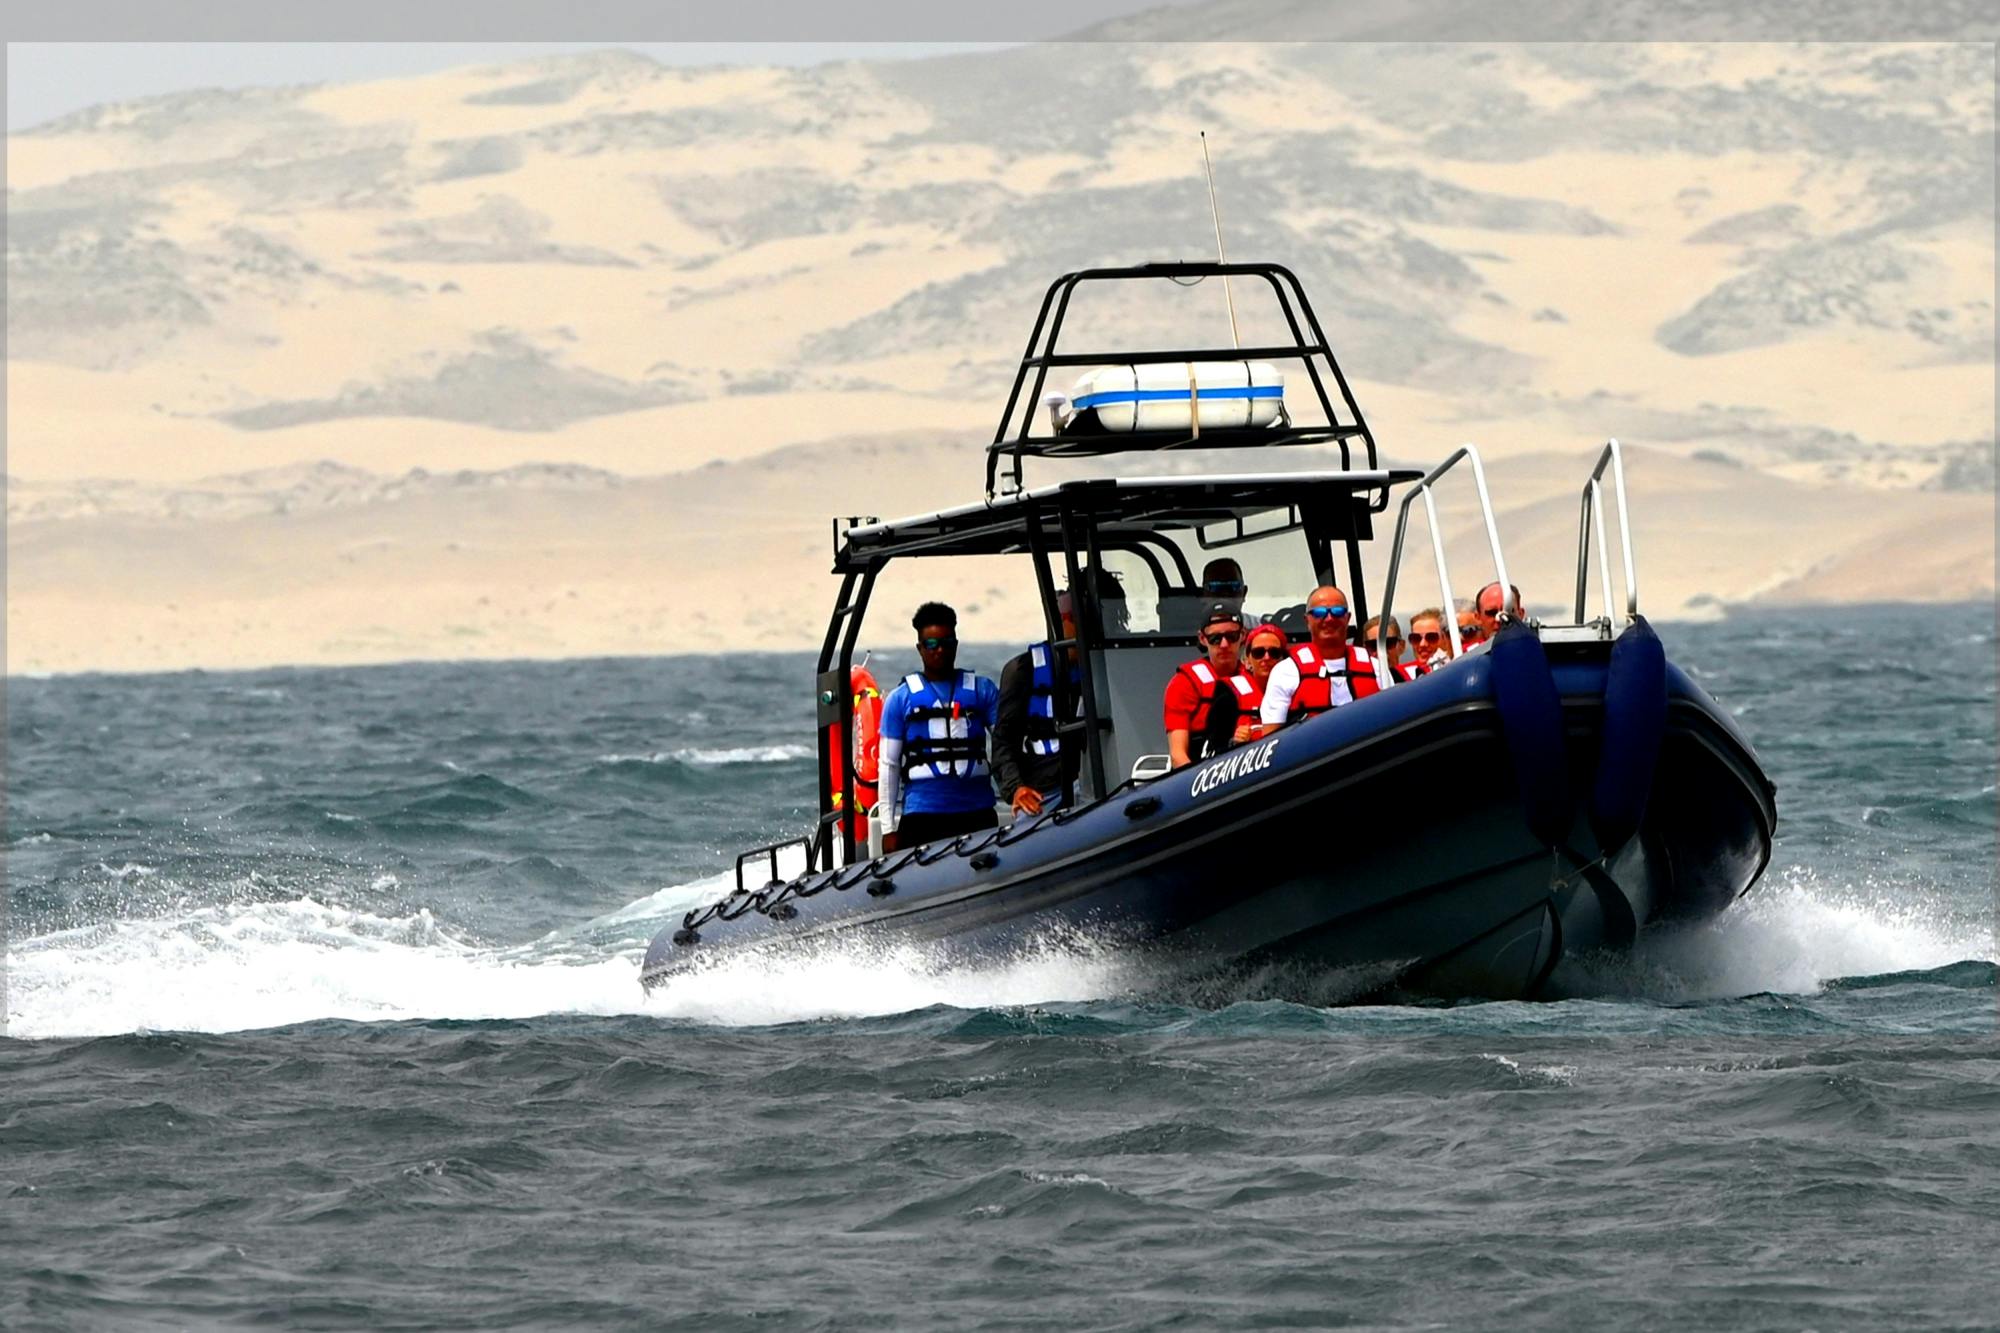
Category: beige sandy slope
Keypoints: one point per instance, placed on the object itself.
(700, 307)
(637, 233)
(738, 554)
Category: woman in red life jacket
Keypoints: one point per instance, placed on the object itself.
(1430, 644)
(1206, 708)
(1321, 674)
(1263, 648)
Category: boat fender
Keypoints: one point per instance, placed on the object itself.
(1531, 720)
(1635, 721)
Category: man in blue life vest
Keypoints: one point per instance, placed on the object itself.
(934, 782)
(1033, 766)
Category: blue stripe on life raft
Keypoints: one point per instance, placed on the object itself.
(1091, 400)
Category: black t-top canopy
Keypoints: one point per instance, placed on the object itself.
(1018, 523)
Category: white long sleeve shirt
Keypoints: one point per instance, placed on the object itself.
(1284, 683)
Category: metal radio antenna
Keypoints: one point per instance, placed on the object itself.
(1221, 257)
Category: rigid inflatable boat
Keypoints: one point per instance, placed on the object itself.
(1555, 791)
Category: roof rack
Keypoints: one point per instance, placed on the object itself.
(1017, 437)
(1012, 524)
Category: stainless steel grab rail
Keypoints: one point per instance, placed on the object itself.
(1423, 488)
(1592, 518)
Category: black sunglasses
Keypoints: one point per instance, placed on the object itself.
(1432, 637)
(1265, 652)
(1226, 587)
(1225, 636)
(935, 644)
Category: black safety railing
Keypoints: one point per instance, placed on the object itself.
(1016, 437)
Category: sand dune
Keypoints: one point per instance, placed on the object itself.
(336, 565)
(722, 304)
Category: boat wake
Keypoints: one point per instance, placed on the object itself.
(1792, 935)
(241, 966)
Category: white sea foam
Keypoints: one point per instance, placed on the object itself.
(750, 754)
(753, 754)
(861, 980)
(231, 967)
(236, 966)
(674, 899)
(1791, 935)
(239, 966)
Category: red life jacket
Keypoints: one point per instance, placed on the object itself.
(1409, 671)
(1315, 692)
(1202, 676)
(1254, 700)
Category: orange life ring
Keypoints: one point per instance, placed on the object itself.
(865, 755)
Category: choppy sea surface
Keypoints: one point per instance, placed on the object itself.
(324, 1012)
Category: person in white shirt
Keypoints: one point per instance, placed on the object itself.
(1324, 673)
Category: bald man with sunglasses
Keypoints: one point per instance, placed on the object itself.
(1324, 673)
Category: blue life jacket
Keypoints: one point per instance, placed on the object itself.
(1040, 736)
(943, 735)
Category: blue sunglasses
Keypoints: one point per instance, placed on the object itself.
(1322, 612)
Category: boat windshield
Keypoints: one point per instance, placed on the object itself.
(1171, 576)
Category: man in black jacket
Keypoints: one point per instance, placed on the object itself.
(1033, 766)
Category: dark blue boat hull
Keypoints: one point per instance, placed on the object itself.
(1407, 839)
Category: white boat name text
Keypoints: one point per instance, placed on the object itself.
(1255, 759)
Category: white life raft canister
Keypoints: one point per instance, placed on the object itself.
(1179, 395)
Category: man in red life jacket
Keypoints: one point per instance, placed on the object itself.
(1491, 604)
(1206, 702)
(1324, 673)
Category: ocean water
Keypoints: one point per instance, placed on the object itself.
(323, 1012)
